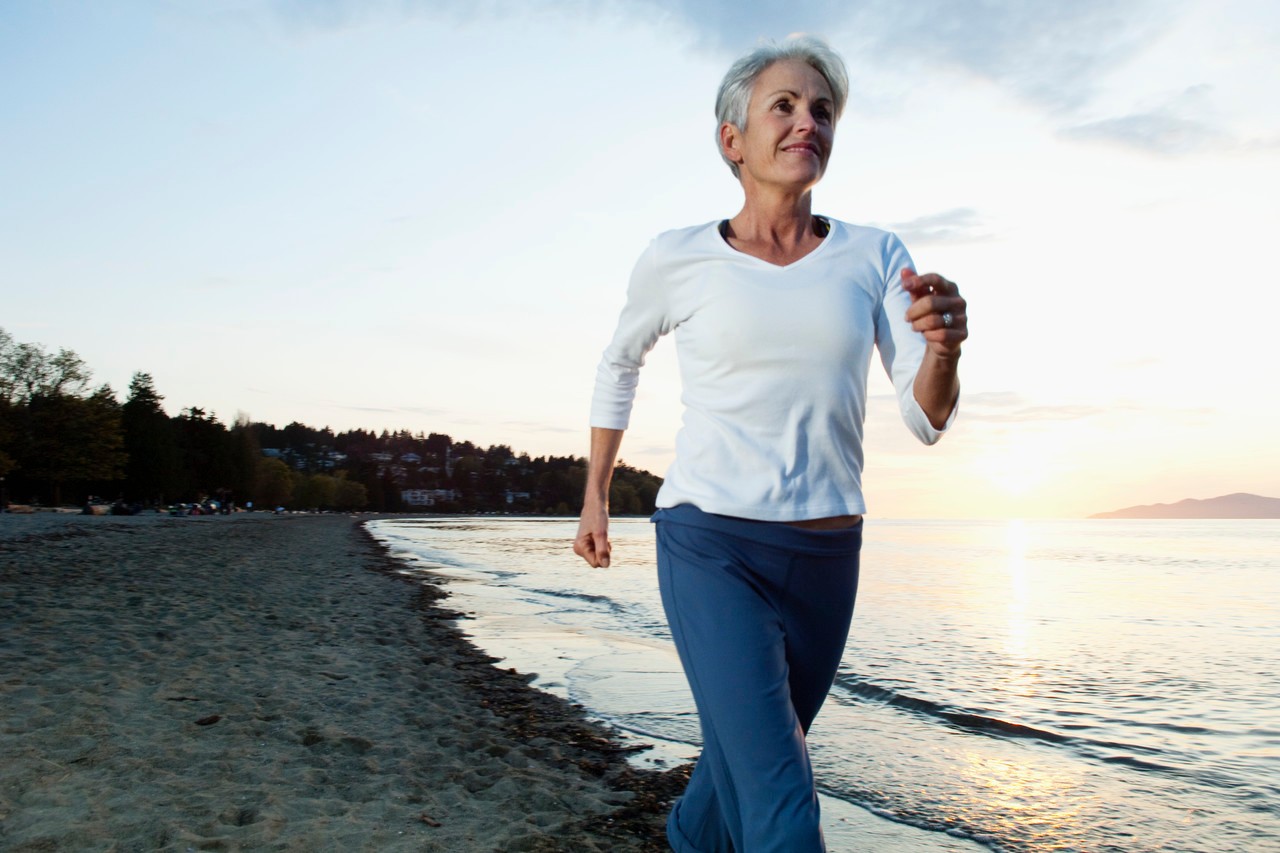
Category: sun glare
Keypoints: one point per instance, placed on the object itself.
(1016, 469)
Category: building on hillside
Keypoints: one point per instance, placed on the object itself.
(330, 459)
(427, 497)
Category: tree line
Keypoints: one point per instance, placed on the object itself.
(63, 440)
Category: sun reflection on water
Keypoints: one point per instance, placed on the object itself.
(1026, 802)
(1018, 638)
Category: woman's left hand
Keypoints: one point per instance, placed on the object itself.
(937, 310)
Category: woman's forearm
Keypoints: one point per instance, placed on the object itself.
(937, 386)
(604, 455)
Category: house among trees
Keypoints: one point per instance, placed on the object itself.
(428, 497)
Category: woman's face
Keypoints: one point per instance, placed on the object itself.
(790, 128)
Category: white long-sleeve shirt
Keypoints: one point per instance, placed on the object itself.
(773, 363)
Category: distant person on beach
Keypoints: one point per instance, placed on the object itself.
(775, 312)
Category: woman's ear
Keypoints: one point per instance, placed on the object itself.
(730, 139)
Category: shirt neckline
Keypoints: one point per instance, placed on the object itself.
(719, 228)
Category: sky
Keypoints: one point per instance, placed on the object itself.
(423, 215)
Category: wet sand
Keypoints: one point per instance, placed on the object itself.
(261, 682)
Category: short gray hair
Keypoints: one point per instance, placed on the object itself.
(734, 95)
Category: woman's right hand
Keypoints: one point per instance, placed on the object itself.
(592, 542)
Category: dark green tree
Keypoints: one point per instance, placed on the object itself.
(315, 492)
(28, 371)
(74, 440)
(206, 454)
(389, 490)
(275, 484)
(8, 435)
(244, 453)
(351, 495)
(153, 470)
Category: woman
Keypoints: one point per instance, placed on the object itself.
(775, 313)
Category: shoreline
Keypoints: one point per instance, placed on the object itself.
(530, 712)
(249, 681)
(526, 640)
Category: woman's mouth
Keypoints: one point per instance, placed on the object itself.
(802, 148)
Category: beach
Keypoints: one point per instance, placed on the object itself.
(258, 681)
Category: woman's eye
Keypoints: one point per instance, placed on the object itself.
(783, 106)
(822, 113)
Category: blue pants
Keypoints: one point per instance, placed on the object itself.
(760, 613)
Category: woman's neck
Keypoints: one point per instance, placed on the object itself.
(774, 216)
(779, 230)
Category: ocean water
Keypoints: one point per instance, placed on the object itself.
(1082, 685)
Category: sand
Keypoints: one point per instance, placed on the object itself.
(269, 682)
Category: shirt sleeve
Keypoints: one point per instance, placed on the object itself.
(902, 348)
(644, 318)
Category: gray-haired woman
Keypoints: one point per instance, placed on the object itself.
(775, 313)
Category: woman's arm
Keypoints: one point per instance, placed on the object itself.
(592, 542)
(644, 319)
(939, 312)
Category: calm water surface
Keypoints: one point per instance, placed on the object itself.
(1072, 685)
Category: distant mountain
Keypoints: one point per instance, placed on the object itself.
(1239, 505)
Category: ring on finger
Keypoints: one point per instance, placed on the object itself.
(947, 319)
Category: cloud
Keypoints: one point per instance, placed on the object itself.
(1012, 407)
(959, 225)
(539, 426)
(304, 17)
(378, 410)
(1052, 54)
(722, 26)
(653, 449)
(1179, 125)
(423, 410)
(1062, 59)
(1154, 131)
(1035, 414)
(1056, 57)
(317, 14)
(382, 410)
